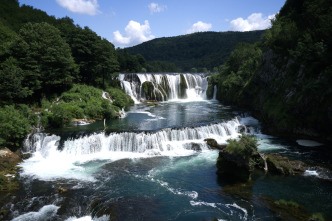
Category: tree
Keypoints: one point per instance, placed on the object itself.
(45, 57)
(11, 82)
(13, 127)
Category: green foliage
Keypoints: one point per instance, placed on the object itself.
(14, 126)
(199, 50)
(290, 203)
(246, 146)
(317, 217)
(120, 98)
(238, 71)
(12, 87)
(44, 56)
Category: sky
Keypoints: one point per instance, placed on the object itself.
(127, 23)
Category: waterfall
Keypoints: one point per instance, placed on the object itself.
(163, 87)
(214, 92)
(157, 142)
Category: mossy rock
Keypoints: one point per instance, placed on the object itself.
(213, 144)
(183, 86)
(280, 165)
(148, 90)
(210, 91)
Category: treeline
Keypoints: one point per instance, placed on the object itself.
(286, 78)
(52, 71)
(198, 52)
(41, 54)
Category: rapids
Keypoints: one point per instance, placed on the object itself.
(153, 164)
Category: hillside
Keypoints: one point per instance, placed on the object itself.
(286, 79)
(198, 50)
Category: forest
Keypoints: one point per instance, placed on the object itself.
(285, 78)
(46, 61)
(197, 52)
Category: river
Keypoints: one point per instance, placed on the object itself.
(153, 164)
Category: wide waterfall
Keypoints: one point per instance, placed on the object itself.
(58, 157)
(163, 87)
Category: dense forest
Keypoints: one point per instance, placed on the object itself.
(286, 78)
(197, 52)
(52, 71)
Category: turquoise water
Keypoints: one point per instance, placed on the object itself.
(168, 185)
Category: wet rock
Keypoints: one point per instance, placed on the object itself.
(280, 165)
(233, 167)
(213, 144)
(8, 163)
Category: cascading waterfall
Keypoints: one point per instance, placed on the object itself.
(168, 139)
(163, 87)
(51, 160)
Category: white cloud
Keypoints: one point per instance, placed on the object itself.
(89, 7)
(135, 33)
(155, 8)
(199, 27)
(255, 21)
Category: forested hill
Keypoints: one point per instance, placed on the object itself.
(199, 50)
(286, 79)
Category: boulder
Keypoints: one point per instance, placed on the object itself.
(233, 166)
(8, 162)
(213, 144)
(280, 165)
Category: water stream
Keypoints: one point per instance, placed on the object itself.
(153, 164)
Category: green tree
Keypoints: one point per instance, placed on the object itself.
(11, 82)
(45, 57)
(14, 126)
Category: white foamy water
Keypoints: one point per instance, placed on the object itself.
(311, 173)
(88, 218)
(81, 157)
(166, 85)
(45, 213)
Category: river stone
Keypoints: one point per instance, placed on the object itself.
(213, 144)
(233, 167)
(280, 165)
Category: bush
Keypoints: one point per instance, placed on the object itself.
(14, 126)
(245, 147)
(120, 98)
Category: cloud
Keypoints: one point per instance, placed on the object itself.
(135, 33)
(88, 7)
(155, 8)
(255, 21)
(199, 27)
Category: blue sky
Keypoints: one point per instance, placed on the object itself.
(130, 22)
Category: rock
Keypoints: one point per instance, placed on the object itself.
(8, 159)
(213, 144)
(8, 163)
(280, 165)
(233, 166)
(61, 190)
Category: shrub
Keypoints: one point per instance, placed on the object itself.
(14, 126)
(245, 147)
(120, 98)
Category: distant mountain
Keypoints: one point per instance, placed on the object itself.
(197, 50)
